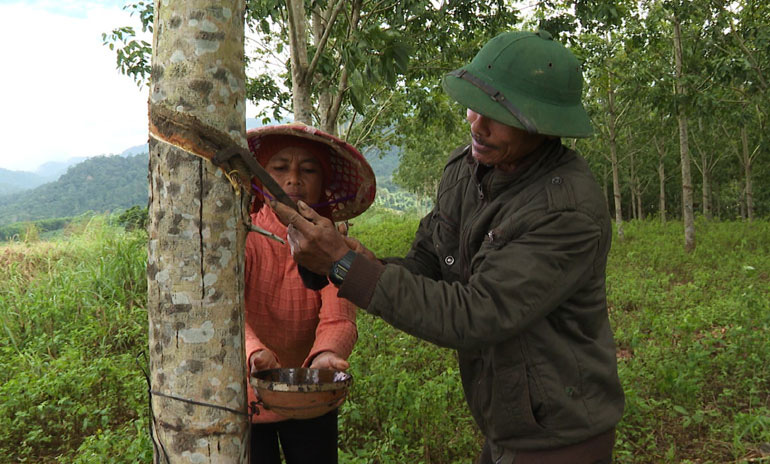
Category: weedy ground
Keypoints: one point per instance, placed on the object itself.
(692, 331)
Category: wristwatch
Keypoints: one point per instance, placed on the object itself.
(340, 268)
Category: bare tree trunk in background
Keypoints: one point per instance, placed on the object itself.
(606, 189)
(196, 238)
(747, 162)
(705, 170)
(300, 89)
(330, 102)
(614, 160)
(688, 215)
(661, 178)
(302, 70)
(742, 201)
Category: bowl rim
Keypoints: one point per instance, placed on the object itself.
(275, 386)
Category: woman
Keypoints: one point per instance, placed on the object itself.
(288, 325)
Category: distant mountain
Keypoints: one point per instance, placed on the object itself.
(136, 150)
(17, 181)
(53, 169)
(98, 184)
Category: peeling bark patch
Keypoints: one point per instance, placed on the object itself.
(178, 70)
(220, 359)
(192, 366)
(219, 13)
(208, 26)
(156, 73)
(202, 87)
(174, 229)
(215, 296)
(180, 308)
(220, 75)
(152, 270)
(202, 334)
(175, 22)
(210, 279)
(173, 189)
(195, 458)
(206, 187)
(177, 57)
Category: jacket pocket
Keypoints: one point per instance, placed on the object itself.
(446, 240)
(511, 413)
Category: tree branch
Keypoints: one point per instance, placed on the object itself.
(322, 43)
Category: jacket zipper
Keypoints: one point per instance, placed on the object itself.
(465, 235)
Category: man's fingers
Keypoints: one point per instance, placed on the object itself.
(284, 213)
(289, 217)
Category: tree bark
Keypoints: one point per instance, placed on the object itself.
(688, 215)
(196, 238)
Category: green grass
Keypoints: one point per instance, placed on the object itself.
(692, 333)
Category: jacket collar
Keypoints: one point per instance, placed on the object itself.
(546, 157)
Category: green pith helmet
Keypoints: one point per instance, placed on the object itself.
(526, 80)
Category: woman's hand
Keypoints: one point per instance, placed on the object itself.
(329, 360)
(263, 359)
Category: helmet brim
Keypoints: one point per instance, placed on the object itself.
(549, 119)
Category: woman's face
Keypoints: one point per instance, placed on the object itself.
(298, 172)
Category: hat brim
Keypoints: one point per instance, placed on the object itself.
(352, 186)
(549, 119)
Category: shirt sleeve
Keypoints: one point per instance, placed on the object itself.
(251, 340)
(336, 331)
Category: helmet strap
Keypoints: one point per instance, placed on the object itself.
(496, 96)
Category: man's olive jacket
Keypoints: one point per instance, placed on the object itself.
(509, 270)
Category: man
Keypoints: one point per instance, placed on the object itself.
(509, 267)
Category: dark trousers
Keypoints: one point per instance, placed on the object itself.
(596, 450)
(302, 441)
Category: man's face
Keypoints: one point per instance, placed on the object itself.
(499, 145)
(298, 172)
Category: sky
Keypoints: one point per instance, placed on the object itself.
(61, 95)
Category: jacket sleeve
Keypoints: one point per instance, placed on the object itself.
(511, 285)
(336, 331)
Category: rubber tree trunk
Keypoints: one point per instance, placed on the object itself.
(196, 239)
(688, 215)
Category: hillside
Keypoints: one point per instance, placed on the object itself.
(17, 181)
(110, 183)
(99, 184)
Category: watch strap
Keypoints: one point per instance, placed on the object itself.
(341, 267)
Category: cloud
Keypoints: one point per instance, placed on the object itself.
(62, 96)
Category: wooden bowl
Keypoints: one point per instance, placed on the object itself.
(301, 393)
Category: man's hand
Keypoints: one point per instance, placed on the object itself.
(329, 360)
(315, 241)
(263, 359)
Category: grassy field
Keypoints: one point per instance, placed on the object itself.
(692, 332)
